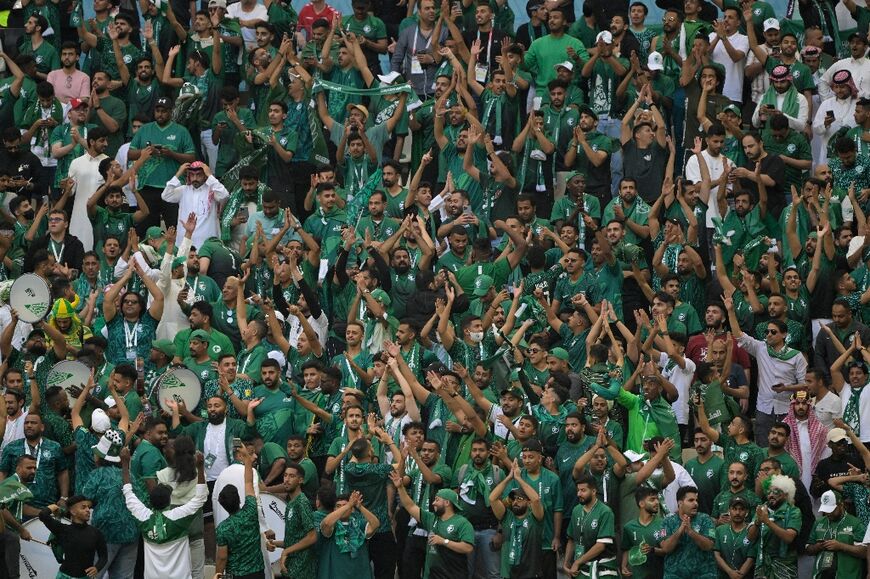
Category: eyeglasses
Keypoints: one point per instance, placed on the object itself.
(55, 219)
(533, 351)
(669, 19)
(772, 332)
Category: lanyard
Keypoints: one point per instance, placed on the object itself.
(488, 46)
(35, 453)
(131, 337)
(57, 254)
(418, 35)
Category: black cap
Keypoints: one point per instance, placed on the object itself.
(860, 36)
(164, 102)
(739, 501)
(517, 492)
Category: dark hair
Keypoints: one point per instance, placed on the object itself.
(70, 45)
(297, 467)
(778, 122)
(42, 22)
(414, 425)
(704, 371)
(97, 133)
(161, 496)
(683, 491)
(184, 459)
(229, 499)
(576, 415)
(588, 480)
(844, 145)
(360, 446)
(229, 93)
(249, 172)
(783, 426)
(642, 493)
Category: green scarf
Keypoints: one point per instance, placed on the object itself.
(33, 113)
(851, 413)
(790, 105)
(474, 486)
(663, 415)
(234, 203)
(412, 103)
(358, 206)
(494, 107)
(350, 536)
(785, 354)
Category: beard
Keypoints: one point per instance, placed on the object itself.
(37, 350)
(519, 510)
(584, 500)
(438, 509)
(216, 418)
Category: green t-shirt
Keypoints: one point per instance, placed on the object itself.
(50, 462)
(298, 522)
(706, 477)
(688, 560)
(218, 344)
(371, 479)
(240, 534)
(158, 170)
(116, 109)
(722, 502)
(274, 416)
(590, 527)
(635, 534)
(46, 55)
(549, 488)
(849, 530)
(548, 51)
(130, 53)
(228, 152)
(734, 547)
(107, 223)
(749, 453)
(440, 560)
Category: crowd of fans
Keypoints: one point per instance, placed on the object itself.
(582, 297)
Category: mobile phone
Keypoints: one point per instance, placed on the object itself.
(776, 51)
(536, 103)
(243, 213)
(467, 210)
(830, 115)
(45, 199)
(237, 444)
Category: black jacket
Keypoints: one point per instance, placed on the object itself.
(72, 256)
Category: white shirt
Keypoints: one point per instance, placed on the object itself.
(860, 70)
(85, 170)
(762, 81)
(682, 478)
(319, 325)
(828, 408)
(249, 35)
(715, 166)
(204, 201)
(215, 446)
(14, 430)
(844, 116)
(796, 123)
(775, 371)
(121, 157)
(733, 87)
(681, 378)
(806, 449)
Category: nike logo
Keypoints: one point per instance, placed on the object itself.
(566, 459)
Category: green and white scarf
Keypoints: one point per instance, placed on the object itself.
(851, 414)
(790, 104)
(234, 203)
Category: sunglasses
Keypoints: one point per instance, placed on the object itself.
(774, 332)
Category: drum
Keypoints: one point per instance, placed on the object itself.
(274, 509)
(37, 559)
(181, 385)
(68, 373)
(30, 298)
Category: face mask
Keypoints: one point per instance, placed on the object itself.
(476, 337)
(29, 214)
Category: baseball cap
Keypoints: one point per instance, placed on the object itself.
(634, 456)
(860, 36)
(514, 391)
(482, 285)
(770, 24)
(178, 261)
(449, 495)
(837, 435)
(739, 501)
(585, 109)
(153, 232)
(381, 296)
(655, 61)
(200, 335)
(732, 109)
(559, 354)
(164, 346)
(76, 103)
(829, 501)
(100, 422)
(604, 36)
(517, 493)
(534, 445)
(166, 102)
(217, 3)
(567, 64)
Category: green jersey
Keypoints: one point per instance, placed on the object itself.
(634, 535)
(722, 502)
(849, 530)
(240, 534)
(549, 488)
(440, 560)
(298, 522)
(160, 169)
(688, 560)
(735, 547)
(50, 462)
(588, 527)
(706, 476)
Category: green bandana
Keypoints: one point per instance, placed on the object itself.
(785, 354)
(474, 486)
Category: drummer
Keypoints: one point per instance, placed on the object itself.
(199, 362)
(162, 352)
(36, 358)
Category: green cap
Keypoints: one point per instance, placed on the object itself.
(559, 354)
(178, 261)
(586, 109)
(165, 346)
(515, 391)
(482, 285)
(732, 109)
(449, 495)
(380, 295)
(200, 335)
(153, 232)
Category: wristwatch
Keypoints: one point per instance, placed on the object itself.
(446, 541)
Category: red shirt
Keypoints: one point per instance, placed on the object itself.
(696, 350)
(308, 15)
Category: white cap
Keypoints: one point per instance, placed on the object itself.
(837, 435)
(655, 61)
(567, 64)
(771, 23)
(633, 456)
(829, 502)
(604, 36)
(855, 245)
(100, 422)
(110, 402)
